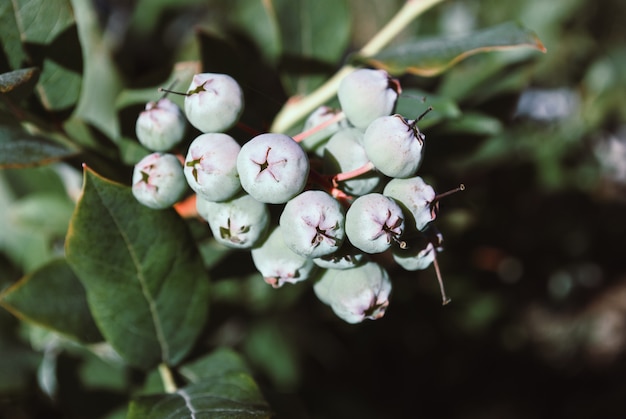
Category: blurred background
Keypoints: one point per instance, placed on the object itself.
(534, 248)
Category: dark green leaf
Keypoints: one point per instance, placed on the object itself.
(20, 149)
(145, 282)
(473, 123)
(429, 57)
(53, 298)
(39, 22)
(493, 75)
(232, 395)
(259, 20)
(269, 348)
(218, 363)
(19, 83)
(10, 36)
(413, 102)
(46, 40)
(58, 87)
(18, 364)
(314, 35)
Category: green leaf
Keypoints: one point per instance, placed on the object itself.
(259, 19)
(28, 246)
(146, 285)
(180, 79)
(39, 22)
(46, 40)
(18, 364)
(430, 57)
(19, 83)
(101, 79)
(493, 75)
(413, 102)
(58, 87)
(54, 298)
(473, 123)
(218, 363)
(227, 395)
(269, 348)
(10, 36)
(314, 35)
(20, 149)
(44, 212)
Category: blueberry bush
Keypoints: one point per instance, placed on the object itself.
(205, 204)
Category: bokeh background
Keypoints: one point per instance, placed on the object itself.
(534, 252)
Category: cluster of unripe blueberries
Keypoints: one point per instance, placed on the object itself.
(344, 191)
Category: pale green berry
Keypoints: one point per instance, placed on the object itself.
(366, 94)
(394, 145)
(344, 152)
(355, 294)
(161, 126)
(346, 257)
(278, 263)
(158, 180)
(417, 258)
(312, 224)
(214, 102)
(416, 198)
(315, 142)
(239, 223)
(273, 168)
(211, 166)
(374, 222)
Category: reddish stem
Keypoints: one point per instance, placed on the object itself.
(326, 183)
(304, 134)
(444, 298)
(340, 177)
(450, 192)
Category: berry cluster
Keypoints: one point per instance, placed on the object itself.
(345, 189)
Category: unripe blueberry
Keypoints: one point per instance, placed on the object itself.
(415, 258)
(346, 257)
(273, 168)
(239, 223)
(367, 94)
(344, 152)
(315, 142)
(415, 197)
(394, 145)
(158, 181)
(214, 102)
(374, 222)
(420, 253)
(312, 224)
(278, 264)
(211, 166)
(161, 125)
(355, 294)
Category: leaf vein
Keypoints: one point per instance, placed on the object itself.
(187, 399)
(158, 327)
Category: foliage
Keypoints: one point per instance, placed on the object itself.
(114, 310)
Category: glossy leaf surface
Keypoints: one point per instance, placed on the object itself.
(20, 149)
(430, 57)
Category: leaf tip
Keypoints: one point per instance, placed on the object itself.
(539, 45)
